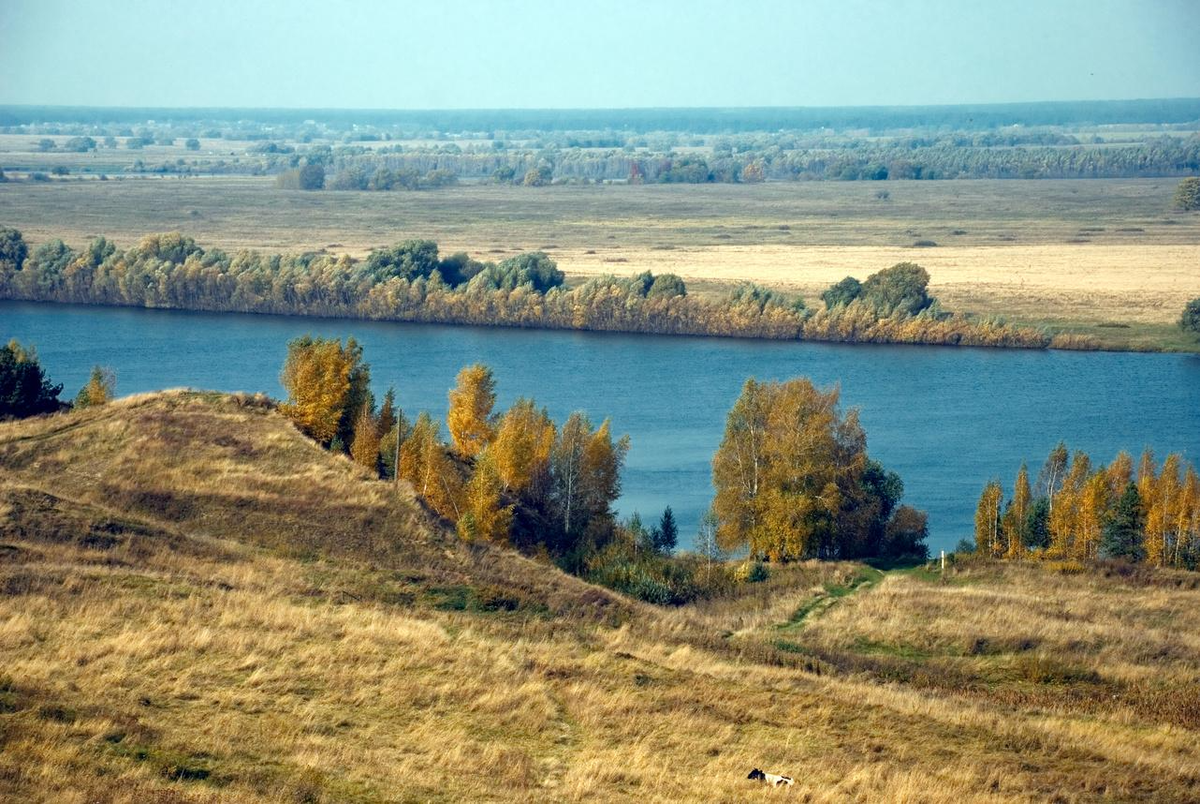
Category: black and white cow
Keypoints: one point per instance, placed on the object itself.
(773, 779)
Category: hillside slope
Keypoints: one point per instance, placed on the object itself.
(198, 604)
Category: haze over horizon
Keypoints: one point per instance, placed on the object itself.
(618, 54)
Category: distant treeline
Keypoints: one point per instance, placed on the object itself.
(412, 282)
(369, 170)
(976, 117)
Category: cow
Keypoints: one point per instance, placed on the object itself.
(773, 779)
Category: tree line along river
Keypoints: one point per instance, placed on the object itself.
(946, 419)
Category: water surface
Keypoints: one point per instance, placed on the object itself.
(946, 419)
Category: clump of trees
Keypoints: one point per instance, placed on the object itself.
(1187, 194)
(24, 388)
(513, 478)
(26, 391)
(793, 480)
(412, 282)
(1076, 510)
(1189, 321)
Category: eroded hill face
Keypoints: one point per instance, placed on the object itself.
(198, 604)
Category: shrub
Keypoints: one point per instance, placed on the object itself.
(752, 572)
(1187, 195)
(1189, 321)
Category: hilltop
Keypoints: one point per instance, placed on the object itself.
(197, 603)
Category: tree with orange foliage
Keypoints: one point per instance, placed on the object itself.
(788, 469)
(364, 451)
(987, 520)
(521, 451)
(425, 463)
(1064, 516)
(1015, 515)
(316, 376)
(470, 418)
(485, 516)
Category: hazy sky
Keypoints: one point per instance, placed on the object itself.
(602, 53)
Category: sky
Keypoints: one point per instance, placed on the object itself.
(470, 54)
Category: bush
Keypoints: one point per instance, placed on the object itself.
(1190, 320)
(752, 572)
(1187, 195)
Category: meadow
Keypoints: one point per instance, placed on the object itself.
(1108, 258)
(199, 604)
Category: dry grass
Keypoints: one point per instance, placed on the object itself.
(175, 647)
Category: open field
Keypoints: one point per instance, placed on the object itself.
(198, 604)
(1083, 255)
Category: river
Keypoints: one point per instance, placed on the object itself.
(946, 419)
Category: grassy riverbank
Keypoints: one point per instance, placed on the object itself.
(200, 604)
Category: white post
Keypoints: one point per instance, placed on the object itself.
(943, 561)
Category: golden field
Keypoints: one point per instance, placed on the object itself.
(199, 604)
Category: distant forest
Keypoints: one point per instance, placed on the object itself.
(410, 150)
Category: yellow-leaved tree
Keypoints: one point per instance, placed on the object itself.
(1064, 516)
(470, 417)
(788, 461)
(316, 376)
(100, 389)
(484, 515)
(425, 463)
(521, 452)
(1016, 514)
(364, 451)
(987, 520)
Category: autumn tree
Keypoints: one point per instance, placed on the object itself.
(1064, 513)
(1161, 509)
(485, 516)
(317, 377)
(358, 392)
(585, 467)
(100, 389)
(1016, 514)
(1053, 473)
(524, 440)
(987, 520)
(470, 419)
(426, 464)
(1147, 487)
(789, 474)
(1095, 500)
(364, 450)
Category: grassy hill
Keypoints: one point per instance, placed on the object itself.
(199, 604)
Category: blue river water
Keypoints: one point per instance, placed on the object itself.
(947, 419)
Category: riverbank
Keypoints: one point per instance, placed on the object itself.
(1108, 259)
